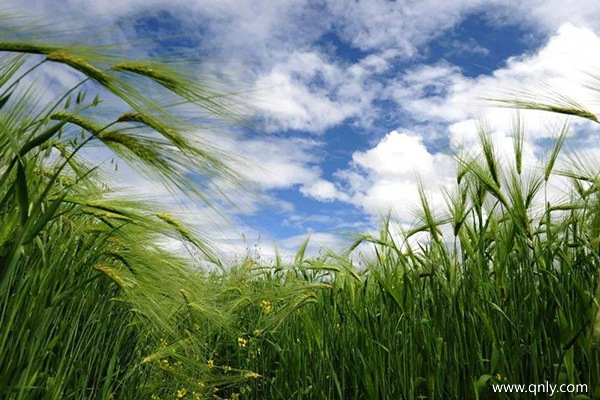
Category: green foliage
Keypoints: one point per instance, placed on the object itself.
(499, 287)
(91, 306)
(507, 297)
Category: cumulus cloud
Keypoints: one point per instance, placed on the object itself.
(441, 97)
(384, 178)
(323, 190)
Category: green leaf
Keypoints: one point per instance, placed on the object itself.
(22, 192)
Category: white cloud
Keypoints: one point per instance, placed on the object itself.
(323, 190)
(408, 24)
(271, 45)
(440, 93)
(312, 93)
(293, 105)
(549, 15)
(263, 26)
(403, 25)
(383, 176)
(396, 155)
(275, 162)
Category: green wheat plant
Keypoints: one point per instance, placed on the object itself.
(500, 288)
(91, 305)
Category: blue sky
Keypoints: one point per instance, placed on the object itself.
(351, 100)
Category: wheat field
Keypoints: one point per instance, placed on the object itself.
(500, 287)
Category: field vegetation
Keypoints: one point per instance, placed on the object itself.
(93, 307)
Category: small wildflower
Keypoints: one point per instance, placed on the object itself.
(163, 342)
(266, 306)
(181, 393)
(235, 396)
(242, 342)
(196, 327)
(201, 384)
(252, 375)
(226, 368)
(196, 395)
(210, 363)
(256, 332)
(154, 397)
(164, 362)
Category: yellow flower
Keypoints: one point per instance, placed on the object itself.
(210, 363)
(242, 342)
(226, 368)
(196, 395)
(252, 375)
(181, 392)
(164, 362)
(235, 396)
(163, 342)
(256, 332)
(266, 306)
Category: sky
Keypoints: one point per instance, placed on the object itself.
(353, 103)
